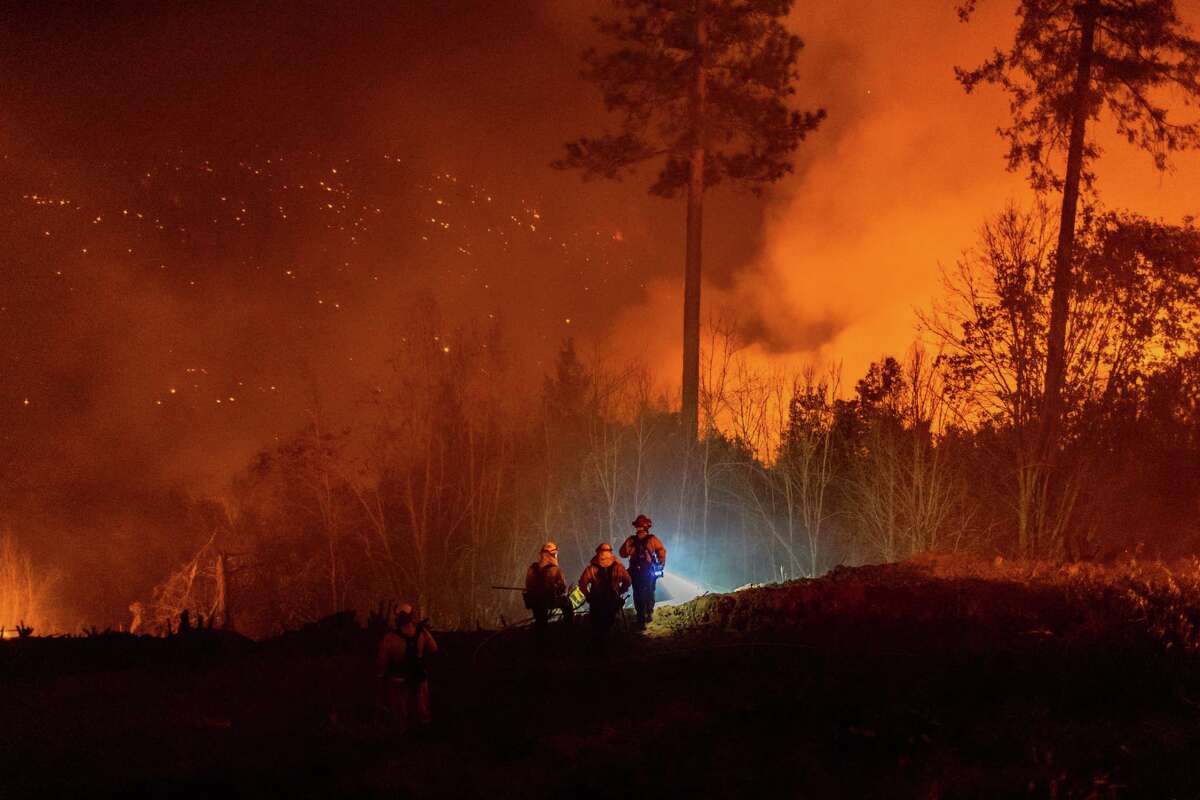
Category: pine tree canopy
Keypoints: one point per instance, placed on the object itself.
(649, 77)
(1142, 52)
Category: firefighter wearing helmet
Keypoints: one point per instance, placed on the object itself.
(647, 560)
(546, 589)
(401, 665)
(604, 583)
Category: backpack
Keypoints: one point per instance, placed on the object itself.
(543, 591)
(544, 581)
(643, 558)
(414, 665)
(602, 590)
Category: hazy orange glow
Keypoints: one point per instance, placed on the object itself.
(218, 219)
(895, 185)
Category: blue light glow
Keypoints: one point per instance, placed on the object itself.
(673, 589)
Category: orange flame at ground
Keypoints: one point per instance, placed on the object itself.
(24, 590)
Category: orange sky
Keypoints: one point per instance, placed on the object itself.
(248, 198)
(913, 166)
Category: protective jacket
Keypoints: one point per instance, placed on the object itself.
(600, 584)
(544, 581)
(643, 552)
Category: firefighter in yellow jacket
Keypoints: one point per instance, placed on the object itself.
(647, 560)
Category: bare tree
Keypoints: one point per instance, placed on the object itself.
(901, 492)
(196, 586)
(805, 464)
(1135, 300)
(993, 325)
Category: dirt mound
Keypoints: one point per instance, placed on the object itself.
(993, 598)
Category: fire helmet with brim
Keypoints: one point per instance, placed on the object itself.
(551, 548)
(642, 522)
(603, 547)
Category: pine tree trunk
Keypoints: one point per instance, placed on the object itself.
(690, 412)
(1061, 298)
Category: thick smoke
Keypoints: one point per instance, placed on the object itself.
(187, 115)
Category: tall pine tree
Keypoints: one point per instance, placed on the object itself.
(1070, 63)
(702, 87)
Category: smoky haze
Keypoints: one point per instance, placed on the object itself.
(216, 215)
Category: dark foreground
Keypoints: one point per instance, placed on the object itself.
(899, 681)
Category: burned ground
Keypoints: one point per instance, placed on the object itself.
(924, 679)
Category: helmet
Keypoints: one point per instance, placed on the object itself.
(551, 548)
(603, 547)
(642, 521)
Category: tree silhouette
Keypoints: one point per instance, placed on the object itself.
(1070, 62)
(702, 86)
(1133, 313)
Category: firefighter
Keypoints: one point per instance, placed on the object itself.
(546, 589)
(604, 583)
(401, 665)
(647, 560)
